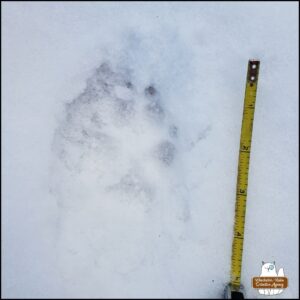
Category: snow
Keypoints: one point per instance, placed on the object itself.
(121, 127)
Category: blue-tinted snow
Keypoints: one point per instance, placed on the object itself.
(121, 128)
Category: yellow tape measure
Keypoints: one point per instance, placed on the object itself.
(243, 169)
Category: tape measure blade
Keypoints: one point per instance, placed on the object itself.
(243, 170)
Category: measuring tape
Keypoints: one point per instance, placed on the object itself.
(243, 170)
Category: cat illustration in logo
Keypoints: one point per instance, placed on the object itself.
(269, 270)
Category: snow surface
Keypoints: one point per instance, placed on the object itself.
(121, 126)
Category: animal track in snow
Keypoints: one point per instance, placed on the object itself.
(116, 153)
